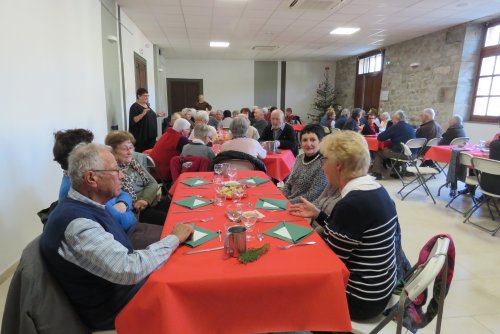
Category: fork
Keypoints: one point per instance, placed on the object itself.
(299, 244)
(203, 220)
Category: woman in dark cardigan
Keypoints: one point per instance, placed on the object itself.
(363, 228)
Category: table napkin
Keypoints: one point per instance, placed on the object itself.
(200, 236)
(289, 232)
(193, 202)
(271, 204)
(195, 181)
(254, 180)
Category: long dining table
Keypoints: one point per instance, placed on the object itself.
(279, 165)
(374, 144)
(302, 288)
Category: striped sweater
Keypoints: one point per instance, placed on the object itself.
(361, 230)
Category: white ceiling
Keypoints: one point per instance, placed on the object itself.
(184, 28)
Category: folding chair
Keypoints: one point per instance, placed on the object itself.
(435, 142)
(481, 167)
(471, 182)
(421, 278)
(460, 141)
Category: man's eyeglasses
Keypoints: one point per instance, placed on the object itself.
(118, 171)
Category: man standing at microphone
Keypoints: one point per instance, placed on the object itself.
(142, 121)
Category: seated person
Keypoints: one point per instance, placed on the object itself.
(354, 122)
(280, 132)
(202, 118)
(328, 118)
(259, 122)
(455, 130)
(367, 247)
(240, 141)
(198, 146)
(345, 114)
(251, 132)
(370, 127)
(88, 252)
(290, 118)
(169, 121)
(226, 122)
(137, 182)
(307, 178)
(399, 132)
(170, 145)
(385, 121)
(120, 207)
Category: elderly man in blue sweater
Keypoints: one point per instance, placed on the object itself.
(399, 132)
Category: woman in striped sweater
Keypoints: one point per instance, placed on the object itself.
(362, 229)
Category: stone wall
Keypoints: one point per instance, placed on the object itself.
(434, 83)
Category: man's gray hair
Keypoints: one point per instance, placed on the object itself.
(84, 157)
(386, 115)
(430, 112)
(201, 115)
(400, 114)
(200, 131)
(280, 113)
(457, 119)
(345, 112)
(239, 127)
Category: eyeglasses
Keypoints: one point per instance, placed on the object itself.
(118, 170)
(126, 148)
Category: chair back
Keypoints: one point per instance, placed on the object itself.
(433, 142)
(416, 143)
(424, 276)
(460, 141)
(465, 159)
(180, 164)
(240, 164)
(487, 166)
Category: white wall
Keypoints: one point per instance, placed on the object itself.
(133, 40)
(52, 78)
(302, 80)
(481, 131)
(227, 84)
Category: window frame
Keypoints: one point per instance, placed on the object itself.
(486, 51)
(367, 56)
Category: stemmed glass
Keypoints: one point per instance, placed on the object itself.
(233, 212)
(249, 221)
(231, 172)
(218, 168)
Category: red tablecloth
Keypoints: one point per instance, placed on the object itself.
(302, 288)
(298, 127)
(279, 165)
(443, 153)
(374, 144)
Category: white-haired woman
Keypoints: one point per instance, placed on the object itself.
(202, 118)
(362, 228)
(240, 141)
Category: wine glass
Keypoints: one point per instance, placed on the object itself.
(218, 168)
(233, 212)
(231, 172)
(248, 219)
(238, 194)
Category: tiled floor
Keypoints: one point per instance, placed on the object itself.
(472, 305)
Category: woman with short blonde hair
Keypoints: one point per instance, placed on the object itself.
(362, 229)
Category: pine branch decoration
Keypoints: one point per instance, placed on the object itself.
(252, 254)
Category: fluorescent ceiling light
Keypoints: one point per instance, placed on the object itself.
(344, 31)
(219, 44)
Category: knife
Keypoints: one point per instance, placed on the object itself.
(281, 220)
(191, 211)
(203, 250)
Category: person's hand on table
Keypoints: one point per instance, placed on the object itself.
(182, 231)
(140, 205)
(305, 209)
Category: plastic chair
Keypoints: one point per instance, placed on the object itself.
(485, 166)
(471, 182)
(421, 278)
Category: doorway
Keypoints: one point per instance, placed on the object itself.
(369, 81)
(141, 74)
(183, 93)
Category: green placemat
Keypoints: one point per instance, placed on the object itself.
(254, 180)
(289, 232)
(200, 236)
(195, 181)
(193, 202)
(271, 204)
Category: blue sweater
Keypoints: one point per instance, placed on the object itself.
(95, 299)
(397, 134)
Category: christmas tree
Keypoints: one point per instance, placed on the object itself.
(325, 96)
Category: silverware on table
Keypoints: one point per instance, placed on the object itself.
(191, 211)
(203, 250)
(299, 244)
(260, 236)
(202, 220)
(281, 220)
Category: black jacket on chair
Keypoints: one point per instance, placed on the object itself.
(228, 155)
(287, 138)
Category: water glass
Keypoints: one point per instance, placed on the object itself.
(218, 168)
(218, 180)
(233, 212)
(219, 197)
(249, 221)
(231, 172)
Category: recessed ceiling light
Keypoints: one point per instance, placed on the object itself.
(219, 44)
(344, 31)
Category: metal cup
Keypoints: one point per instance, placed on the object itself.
(236, 241)
(270, 146)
